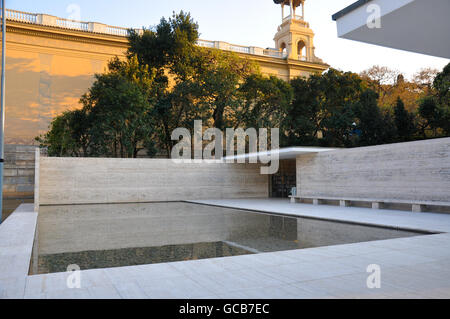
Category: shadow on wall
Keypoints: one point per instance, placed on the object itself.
(35, 96)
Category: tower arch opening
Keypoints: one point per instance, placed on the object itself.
(283, 48)
(301, 50)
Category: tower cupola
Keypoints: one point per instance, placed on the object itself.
(294, 37)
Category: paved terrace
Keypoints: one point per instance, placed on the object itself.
(414, 267)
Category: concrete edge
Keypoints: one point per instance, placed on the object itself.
(36, 178)
(334, 220)
(17, 234)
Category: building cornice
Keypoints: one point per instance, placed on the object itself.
(121, 42)
(66, 34)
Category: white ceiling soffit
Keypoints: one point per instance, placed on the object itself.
(421, 26)
(283, 153)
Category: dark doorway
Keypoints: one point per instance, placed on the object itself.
(282, 182)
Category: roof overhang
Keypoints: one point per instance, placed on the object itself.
(283, 153)
(420, 26)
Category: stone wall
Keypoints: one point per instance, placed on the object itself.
(405, 171)
(101, 180)
(18, 180)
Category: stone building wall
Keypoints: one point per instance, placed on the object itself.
(18, 180)
(414, 171)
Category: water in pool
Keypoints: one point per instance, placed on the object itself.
(101, 236)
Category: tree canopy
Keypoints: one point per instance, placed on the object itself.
(167, 82)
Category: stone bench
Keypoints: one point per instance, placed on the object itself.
(416, 206)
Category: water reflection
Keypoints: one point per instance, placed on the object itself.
(99, 236)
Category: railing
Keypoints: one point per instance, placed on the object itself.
(238, 48)
(296, 17)
(48, 20)
(205, 44)
(117, 31)
(20, 16)
(72, 24)
(275, 53)
(242, 49)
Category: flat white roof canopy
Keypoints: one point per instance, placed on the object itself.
(421, 26)
(283, 153)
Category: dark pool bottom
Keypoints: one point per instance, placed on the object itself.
(136, 256)
(102, 236)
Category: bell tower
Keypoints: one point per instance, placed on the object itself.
(294, 37)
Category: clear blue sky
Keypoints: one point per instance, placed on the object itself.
(246, 22)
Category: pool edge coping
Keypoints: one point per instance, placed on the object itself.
(34, 215)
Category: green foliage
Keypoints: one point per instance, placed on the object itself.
(442, 85)
(115, 120)
(435, 108)
(375, 127)
(169, 45)
(68, 135)
(404, 122)
(265, 102)
(167, 82)
(303, 119)
(120, 112)
(324, 104)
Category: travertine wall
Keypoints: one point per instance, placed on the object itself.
(405, 171)
(101, 180)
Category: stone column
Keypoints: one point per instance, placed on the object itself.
(46, 19)
(97, 27)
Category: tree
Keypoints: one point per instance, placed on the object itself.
(121, 114)
(381, 79)
(167, 46)
(322, 105)
(215, 86)
(200, 83)
(404, 122)
(391, 84)
(265, 102)
(375, 127)
(442, 85)
(435, 108)
(115, 119)
(303, 118)
(167, 81)
(68, 135)
(170, 49)
(424, 78)
(429, 112)
(337, 109)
